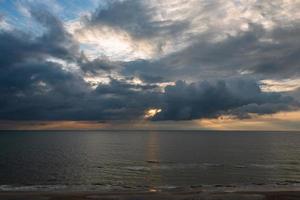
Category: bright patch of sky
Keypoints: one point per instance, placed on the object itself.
(284, 85)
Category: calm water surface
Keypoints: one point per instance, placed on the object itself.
(146, 159)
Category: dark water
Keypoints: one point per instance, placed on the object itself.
(146, 159)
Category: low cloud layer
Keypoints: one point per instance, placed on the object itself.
(239, 98)
(201, 59)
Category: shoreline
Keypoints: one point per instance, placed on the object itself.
(257, 193)
(187, 195)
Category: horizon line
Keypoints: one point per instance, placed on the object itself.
(144, 130)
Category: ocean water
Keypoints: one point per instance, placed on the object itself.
(141, 160)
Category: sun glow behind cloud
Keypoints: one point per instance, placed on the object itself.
(283, 121)
(279, 121)
(111, 43)
(284, 85)
(151, 113)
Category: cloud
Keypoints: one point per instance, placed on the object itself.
(52, 6)
(206, 39)
(129, 30)
(258, 53)
(35, 86)
(17, 46)
(44, 91)
(185, 101)
(96, 65)
(111, 43)
(136, 18)
(281, 121)
(209, 60)
(31, 86)
(284, 85)
(36, 89)
(3, 24)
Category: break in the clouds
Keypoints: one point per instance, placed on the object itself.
(151, 60)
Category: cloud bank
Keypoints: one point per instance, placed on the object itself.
(192, 60)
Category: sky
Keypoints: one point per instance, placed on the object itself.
(150, 64)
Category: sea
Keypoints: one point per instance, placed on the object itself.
(146, 160)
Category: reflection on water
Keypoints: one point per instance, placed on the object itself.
(154, 178)
(147, 160)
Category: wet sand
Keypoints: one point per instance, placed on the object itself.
(188, 195)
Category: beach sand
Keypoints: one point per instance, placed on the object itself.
(188, 195)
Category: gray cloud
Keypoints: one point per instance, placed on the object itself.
(135, 17)
(97, 65)
(257, 52)
(34, 88)
(57, 95)
(236, 97)
(207, 41)
(17, 46)
(56, 41)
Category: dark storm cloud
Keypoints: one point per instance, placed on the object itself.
(38, 90)
(97, 65)
(43, 91)
(280, 57)
(56, 41)
(211, 99)
(34, 88)
(151, 79)
(129, 15)
(147, 70)
(17, 46)
(122, 100)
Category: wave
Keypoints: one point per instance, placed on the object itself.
(171, 166)
(32, 187)
(286, 185)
